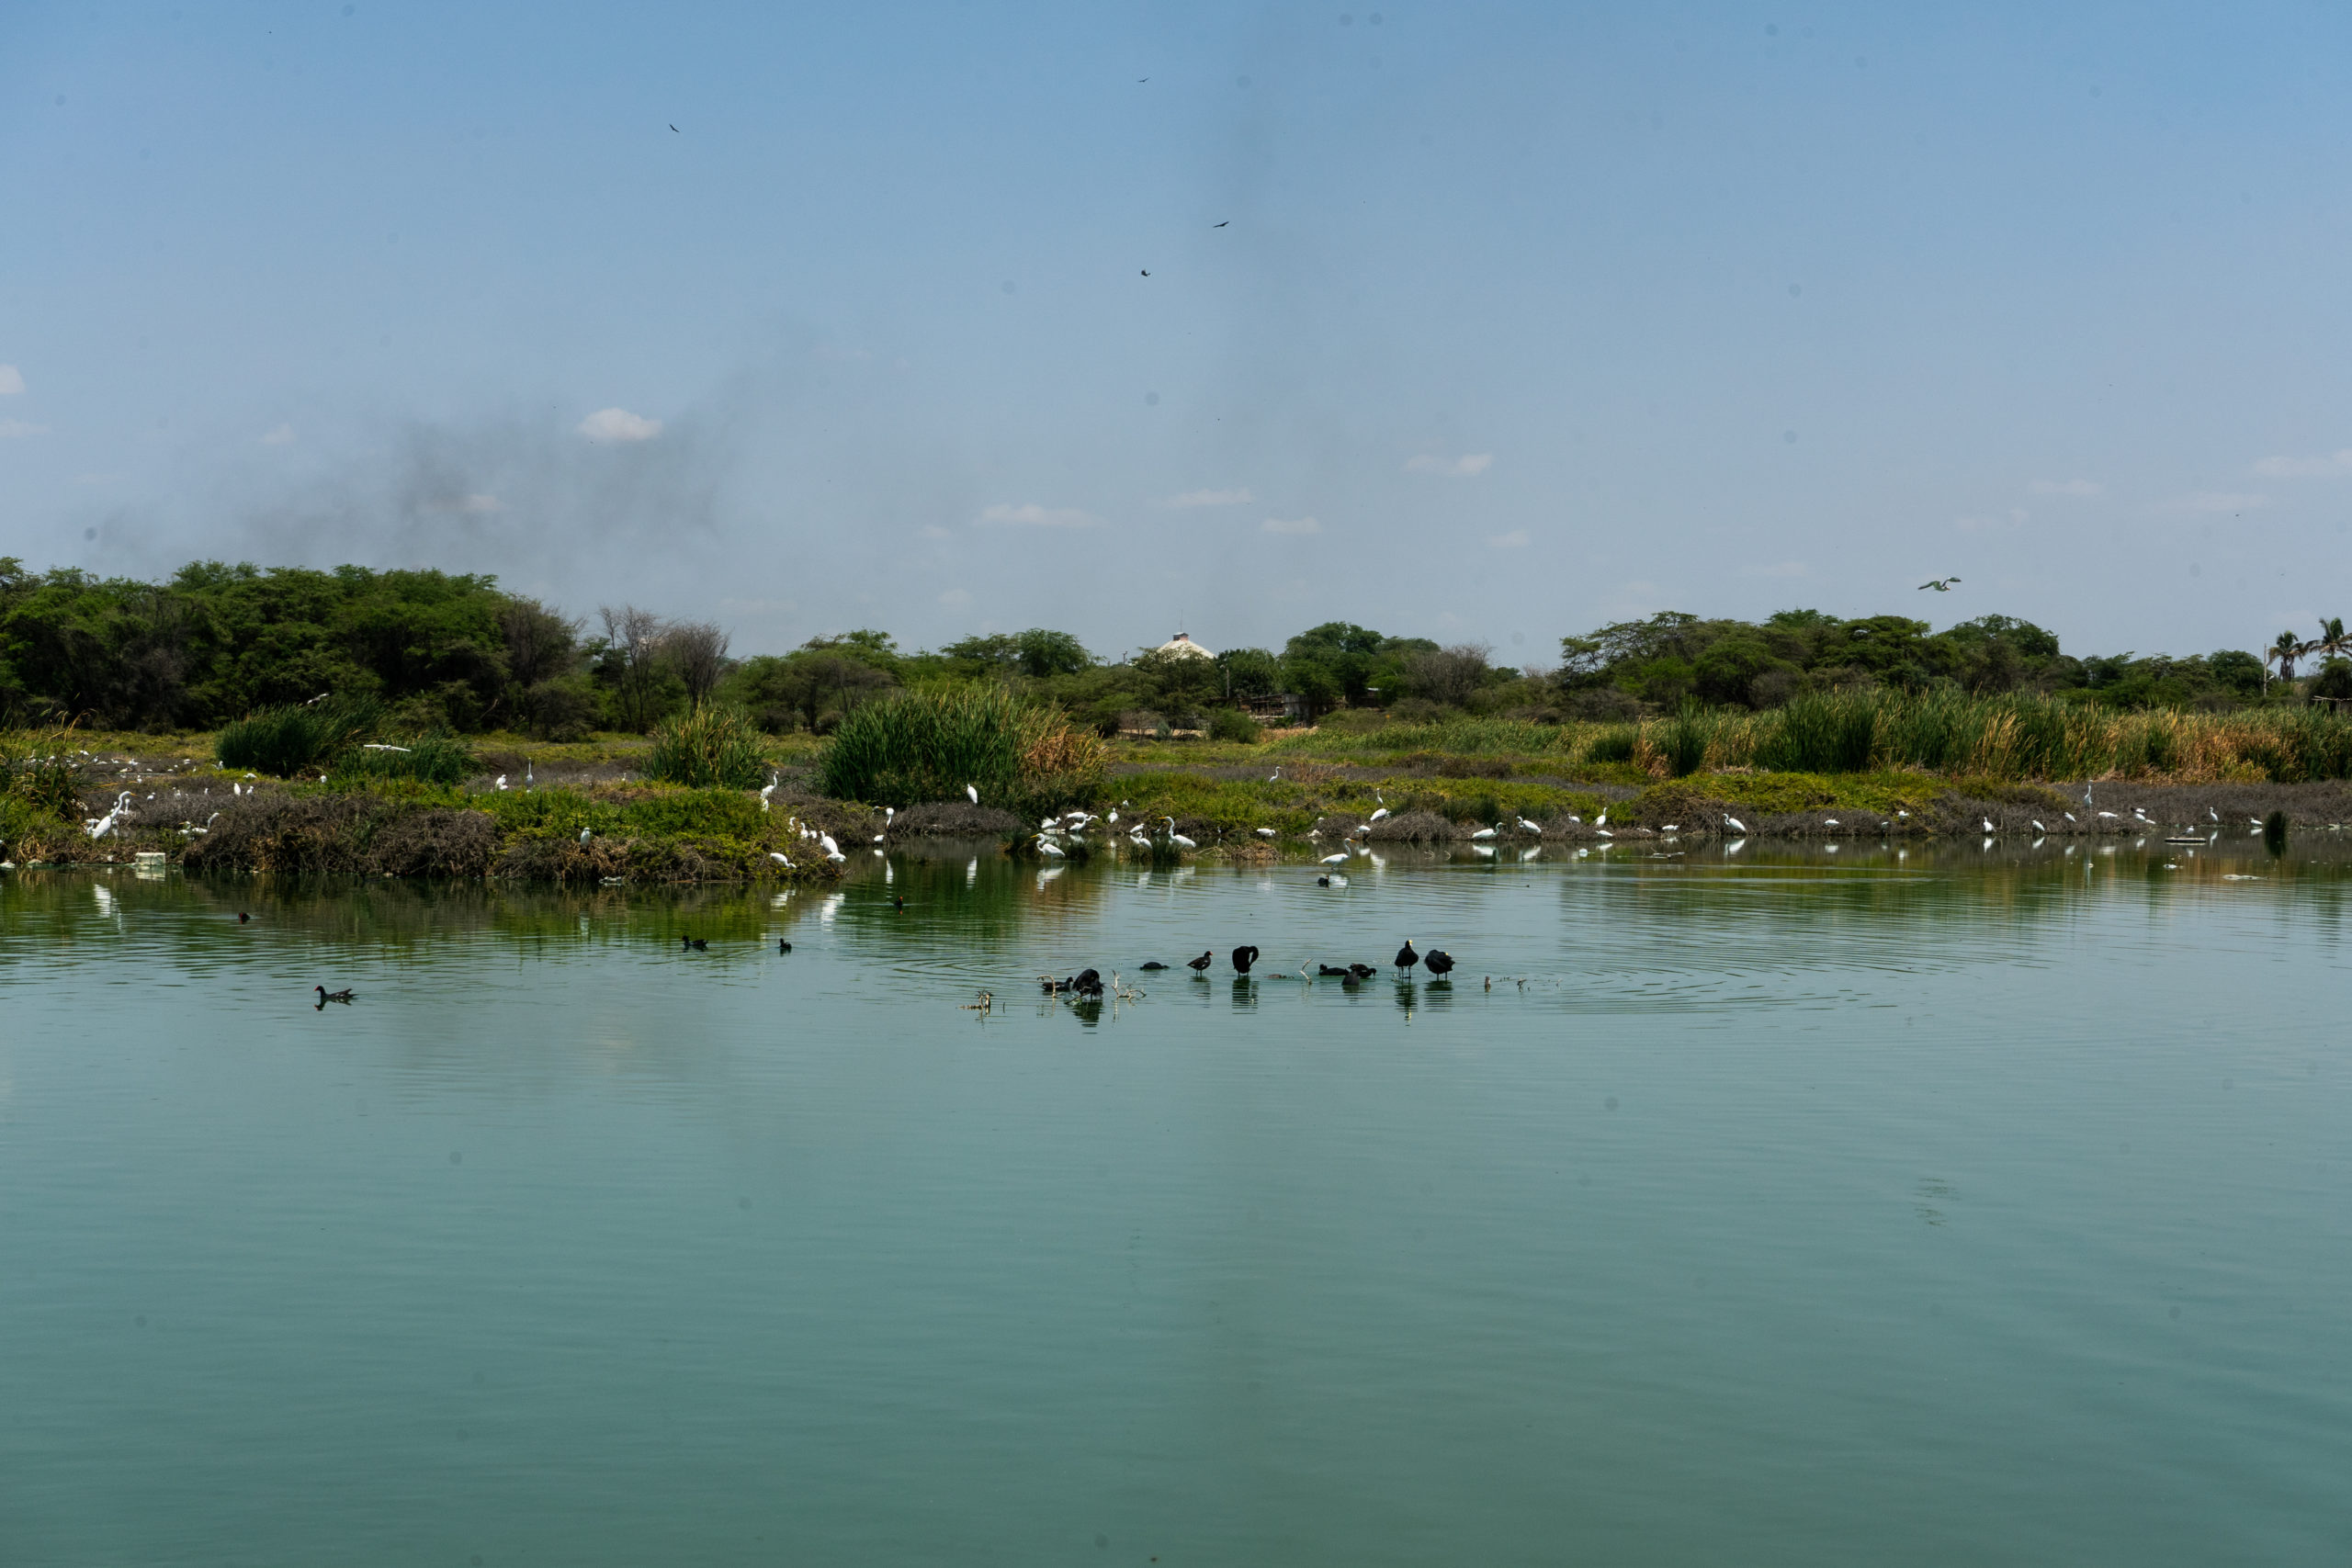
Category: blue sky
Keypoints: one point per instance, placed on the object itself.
(1525, 317)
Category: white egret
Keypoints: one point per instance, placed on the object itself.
(1274, 777)
(1334, 860)
(1376, 816)
(2038, 826)
(1600, 821)
(1830, 821)
(777, 856)
(1263, 832)
(501, 781)
(1735, 824)
(1484, 833)
(1178, 839)
(2070, 816)
(584, 835)
(1113, 818)
(825, 843)
(1530, 826)
(974, 792)
(1989, 824)
(1047, 847)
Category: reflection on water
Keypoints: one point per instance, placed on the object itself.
(1961, 1201)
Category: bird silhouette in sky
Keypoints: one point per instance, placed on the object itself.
(672, 126)
(1940, 584)
(1147, 272)
(1220, 225)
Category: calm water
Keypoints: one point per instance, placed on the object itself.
(1979, 1206)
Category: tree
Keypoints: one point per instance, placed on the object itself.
(2284, 652)
(697, 651)
(632, 644)
(1249, 672)
(1448, 675)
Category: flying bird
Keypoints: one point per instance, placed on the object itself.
(1940, 584)
(1220, 225)
(1147, 272)
(671, 127)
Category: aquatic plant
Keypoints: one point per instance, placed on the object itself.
(300, 737)
(933, 743)
(433, 759)
(711, 746)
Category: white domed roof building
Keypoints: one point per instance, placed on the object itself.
(1182, 646)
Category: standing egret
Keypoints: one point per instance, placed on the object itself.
(1263, 832)
(2213, 813)
(1178, 839)
(1530, 826)
(1735, 824)
(973, 792)
(1341, 859)
(1484, 833)
(1047, 847)
(1989, 824)
(501, 781)
(584, 835)
(1376, 816)
(2038, 826)
(1601, 820)
(825, 843)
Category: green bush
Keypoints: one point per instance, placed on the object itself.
(284, 741)
(1232, 724)
(38, 773)
(1685, 738)
(713, 746)
(434, 759)
(931, 743)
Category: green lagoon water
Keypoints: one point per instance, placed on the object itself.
(1982, 1205)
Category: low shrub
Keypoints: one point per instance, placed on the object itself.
(933, 743)
(1232, 724)
(713, 746)
(433, 759)
(284, 741)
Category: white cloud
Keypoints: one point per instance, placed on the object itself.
(619, 424)
(1514, 540)
(956, 596)
(1469, 466)
(1031, 514)
(12, 381)
(281, 436)
(2014, 518)
(2334, 466)
(1291, 525)
(1212, 498)
(16, 429)
(2067, 487)
(1778, 569)
(2219, 501)
(933, 531)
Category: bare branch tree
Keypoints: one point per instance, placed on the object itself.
(633, 644)
(697, 651)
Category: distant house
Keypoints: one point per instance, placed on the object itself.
(1182, 647)
(1277, 707)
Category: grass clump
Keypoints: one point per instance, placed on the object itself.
(37, 774)
(714, 747)
(429, 758)
(284, 741)
(931, 744)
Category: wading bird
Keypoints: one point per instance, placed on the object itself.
(1735, 824)
(501, 781)
(1263, 832)
(1484, 833)
(1405, 956)
(973, 793)
(584, 835)
(1047, 847)
(1176, 837)
(1242, 958)
(1201, 965)
(1440, 961)
(1530, 826)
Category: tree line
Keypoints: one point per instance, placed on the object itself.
(215, 643)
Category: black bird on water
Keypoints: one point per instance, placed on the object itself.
(1201, 965)
(1363, 971)
(697, 943)
(1440, 960)
(1085, 983)
(1154, 964)
(1330, 972)
(242, 917)
(782, 945)
(326, 996)
(1242, 958)
(1405, 956)
(899, 902)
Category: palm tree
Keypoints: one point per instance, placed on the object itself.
(2284, 652)
(2332, 642)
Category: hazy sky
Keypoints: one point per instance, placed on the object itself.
(1524, 317)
